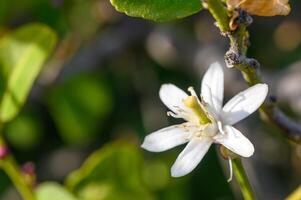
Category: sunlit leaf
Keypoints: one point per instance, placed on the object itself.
(51, 191)
(158, 10)
(262, 7)
(22, 54)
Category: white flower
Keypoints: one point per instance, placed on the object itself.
(207, 121)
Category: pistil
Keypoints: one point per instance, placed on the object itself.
(192, 103)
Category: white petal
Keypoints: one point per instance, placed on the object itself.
(166, 138)
(234, 140)
(191, 156)
(212, 90)
(173, 97)
(244, 103)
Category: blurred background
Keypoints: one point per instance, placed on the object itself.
(97, 98)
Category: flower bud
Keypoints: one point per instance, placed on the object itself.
(28, 171)
(3, 151)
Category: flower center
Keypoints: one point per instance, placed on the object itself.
(210, 130)
(192, 103)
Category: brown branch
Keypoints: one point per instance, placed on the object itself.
(250, 68)
(272, 113)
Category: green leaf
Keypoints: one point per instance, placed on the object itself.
(51, 191)
(113, 172)
(85, 95)
(158, 10)
(25, 131)
(22, 54)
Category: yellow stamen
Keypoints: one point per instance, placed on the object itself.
(192, 103)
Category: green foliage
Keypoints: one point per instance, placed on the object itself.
(82, 20)
(51, 191)
(98, 41)
(79, 107)
(113, 172)
(25, 131)
(158, 10)
(22, 54)
(156, 175)
(217, 9)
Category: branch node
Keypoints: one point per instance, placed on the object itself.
(232, 59)
(240, 18)
(253, 63)
(244, 18)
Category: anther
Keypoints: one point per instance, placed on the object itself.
(192, 91)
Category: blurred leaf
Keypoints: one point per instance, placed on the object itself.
(82, 18)
(156, 175)
(50, 12)
(113, 172)
(25, 131)
(79, 107)
(4, 183)
(22, 54)
(7, 8)
(51, 191)
(158, 10)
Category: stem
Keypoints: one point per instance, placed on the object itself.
(249, 67)
(11, 168)
(242, 179)
(219, 12)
